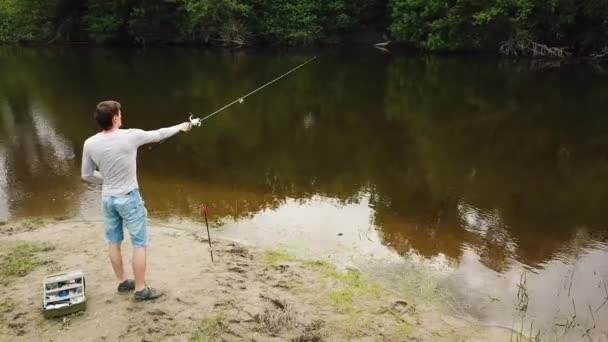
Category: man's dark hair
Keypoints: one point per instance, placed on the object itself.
(105, 112)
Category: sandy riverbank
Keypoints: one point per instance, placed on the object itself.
(247, 294)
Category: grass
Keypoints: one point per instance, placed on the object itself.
(364, 305)
(348, 286)
(23, 225)
(274, 257)
(209, 329)
(32, 224)
(21, 259)
(342, 299)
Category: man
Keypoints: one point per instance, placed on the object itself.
(113, 152)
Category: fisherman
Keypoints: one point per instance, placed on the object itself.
(109, 158)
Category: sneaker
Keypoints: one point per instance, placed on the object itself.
(147, 294)
(126, 286)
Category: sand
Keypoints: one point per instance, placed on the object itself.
(247, 294)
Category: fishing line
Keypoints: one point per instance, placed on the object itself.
(242, 98)
(195, 121)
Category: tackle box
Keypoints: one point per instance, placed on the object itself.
(64, 293)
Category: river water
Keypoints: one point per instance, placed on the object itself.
(491, 172)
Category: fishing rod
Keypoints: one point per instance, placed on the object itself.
(195, 121)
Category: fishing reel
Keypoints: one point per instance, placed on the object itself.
(194, 121)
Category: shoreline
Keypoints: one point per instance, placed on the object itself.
(395, 49)
(264, 294)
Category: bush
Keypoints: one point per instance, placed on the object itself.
(303, 22)
(155, 21)
(25, 20)
(106, 20)
(429, 24)
(225, 19)
(472, 24)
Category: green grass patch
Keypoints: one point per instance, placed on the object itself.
(348, 286)
(366, 301)
(274, 257)
(209, 329)
(324, 267)
(342, 299)
(21, 259)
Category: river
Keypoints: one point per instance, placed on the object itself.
(492, 172)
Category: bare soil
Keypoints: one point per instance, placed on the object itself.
(247, 294)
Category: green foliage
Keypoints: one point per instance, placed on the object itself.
(274, 21)
(451, 24)
(228, 18)
(303, 22)
(25, 20)
(472, 24)
(429, 24)
(154, 21)
(290, 22)
(133, 20)
(106, 20)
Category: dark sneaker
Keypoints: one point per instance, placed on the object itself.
(126, 286)
(147, 294)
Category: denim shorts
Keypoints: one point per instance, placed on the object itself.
(126, 211)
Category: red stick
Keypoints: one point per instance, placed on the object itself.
(204, 209)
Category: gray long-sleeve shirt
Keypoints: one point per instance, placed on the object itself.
(115, 156)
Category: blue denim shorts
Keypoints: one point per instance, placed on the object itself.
(126, 211)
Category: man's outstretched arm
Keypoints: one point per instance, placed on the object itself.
(141, 137)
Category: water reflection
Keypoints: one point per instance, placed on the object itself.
(452, 152)
(484, 167)
(37, 163)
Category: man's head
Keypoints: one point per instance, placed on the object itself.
(108, 115)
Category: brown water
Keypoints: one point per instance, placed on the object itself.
(479, 168)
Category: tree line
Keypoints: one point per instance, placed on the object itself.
(556, 28)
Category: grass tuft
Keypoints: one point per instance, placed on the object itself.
(342, 299)
(21, 259)
(274, 257)
(210, 329)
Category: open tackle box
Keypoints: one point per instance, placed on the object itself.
(64, 293)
